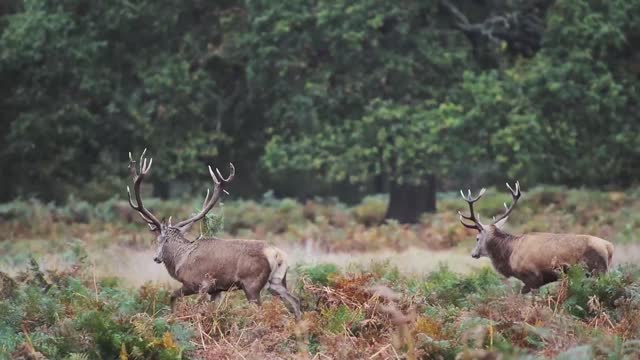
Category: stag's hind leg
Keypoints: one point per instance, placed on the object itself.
(281, 291)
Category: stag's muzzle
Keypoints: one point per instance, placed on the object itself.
(157, 260)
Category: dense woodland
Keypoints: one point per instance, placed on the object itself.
(319, 98)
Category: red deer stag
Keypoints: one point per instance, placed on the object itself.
(533, 258)
(210, 264)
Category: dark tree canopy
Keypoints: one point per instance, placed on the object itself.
(317, 97)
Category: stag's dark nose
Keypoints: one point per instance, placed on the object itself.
(475, 256)
(157, 260)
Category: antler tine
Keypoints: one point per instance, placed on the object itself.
(474, 226)
(232, 173)
(132, 167)
(142, 157)
(151, 225)
(472, 216)
(470, 198)
(515, 195)
(213, 176)
(210, 200)
(146, 166)
(206, 198)
(515, 192)
(146, 215)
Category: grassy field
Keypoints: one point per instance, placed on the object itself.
(78, 282)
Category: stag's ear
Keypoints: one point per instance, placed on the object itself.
(500, 224)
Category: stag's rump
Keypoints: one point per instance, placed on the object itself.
(543, 252)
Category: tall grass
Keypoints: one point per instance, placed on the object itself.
(365, 312)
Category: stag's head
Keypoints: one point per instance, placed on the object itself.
(486, 232)
(165, 231)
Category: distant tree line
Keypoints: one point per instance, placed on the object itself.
(331, 98)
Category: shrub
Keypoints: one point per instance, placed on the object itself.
(583, 291)
(340, 319)
(448, 287)
(66, 317)
(19, 210)
(371, 211)
(319, 274)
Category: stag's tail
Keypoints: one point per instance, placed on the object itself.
(609, 254)
(278, 264)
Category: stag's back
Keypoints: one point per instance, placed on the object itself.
(544, 251)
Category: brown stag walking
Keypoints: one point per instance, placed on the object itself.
(533, 258)
(210, 264)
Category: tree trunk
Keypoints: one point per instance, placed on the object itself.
(408, 202)
(378, 184)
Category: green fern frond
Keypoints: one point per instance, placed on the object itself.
(77, 356)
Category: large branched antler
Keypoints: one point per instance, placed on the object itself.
(210, 199)
(472, 216)
(515, 195)
(146, 215)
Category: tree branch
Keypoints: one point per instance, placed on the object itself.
(522, 30)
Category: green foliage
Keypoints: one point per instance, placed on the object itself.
(319, 274)
(341, 319)
(449, 287)
(389, 139)
(363, 92)
(92, 77)
(213, 223)
(66, 314)
(68, 318)
(584, 291)
(555, 125)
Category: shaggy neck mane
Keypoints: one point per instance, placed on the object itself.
(500, 247)
(176, 248)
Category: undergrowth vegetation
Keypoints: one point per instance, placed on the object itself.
(374, 311)
(328, 224)
(349, 313)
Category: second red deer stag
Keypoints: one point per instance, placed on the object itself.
(533, 258)
(210, 264)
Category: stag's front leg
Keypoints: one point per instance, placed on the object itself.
(183, 291)
(252, 289)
